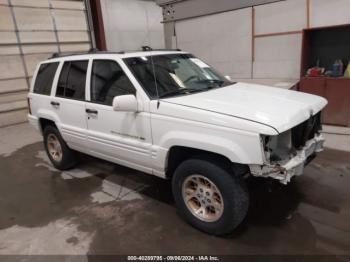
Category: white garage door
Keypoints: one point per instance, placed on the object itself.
(30, 31)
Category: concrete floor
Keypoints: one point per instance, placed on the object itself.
(102, 208)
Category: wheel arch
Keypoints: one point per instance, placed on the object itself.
(44, 122)
(177, 154)
(46, 117)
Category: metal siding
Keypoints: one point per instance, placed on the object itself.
(177, 10)
(230, 50)
(130, 24)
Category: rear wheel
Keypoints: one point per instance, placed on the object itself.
(209, 197)
(60, 155)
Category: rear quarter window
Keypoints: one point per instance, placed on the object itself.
(44, 78)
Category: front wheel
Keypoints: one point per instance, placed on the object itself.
(209, 197)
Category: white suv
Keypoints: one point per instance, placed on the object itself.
(169, 114)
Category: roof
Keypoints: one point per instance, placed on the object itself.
(100, 54)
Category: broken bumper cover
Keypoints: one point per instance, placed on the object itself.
(294, 167)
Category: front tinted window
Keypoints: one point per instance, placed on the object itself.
(107, 81)
(71, 83)
(44, 79)
(174, 74)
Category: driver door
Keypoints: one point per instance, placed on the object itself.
(120, 137)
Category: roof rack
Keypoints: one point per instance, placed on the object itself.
(146, 48)
(97, 51)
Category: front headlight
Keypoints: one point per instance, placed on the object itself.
(278, 148)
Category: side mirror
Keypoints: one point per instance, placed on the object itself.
(125, 103)
(228, 78)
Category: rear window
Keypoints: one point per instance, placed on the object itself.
(71, 83)
(44, 78)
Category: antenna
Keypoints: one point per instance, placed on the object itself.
(148, 48)
(155, 80)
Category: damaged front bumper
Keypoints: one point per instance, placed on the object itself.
(294, 167)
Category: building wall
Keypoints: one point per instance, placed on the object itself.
(224, 40)
(30, 31)
(130, 24)
(263, 42)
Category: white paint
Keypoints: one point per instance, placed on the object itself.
(282, 109)
(234, 118)
(47, 240)
(280, 83)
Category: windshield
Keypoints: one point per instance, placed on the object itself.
(174, 74)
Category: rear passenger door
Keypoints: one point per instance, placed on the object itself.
(69, 103)
(40, 97)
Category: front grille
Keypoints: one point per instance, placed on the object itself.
(306, 131)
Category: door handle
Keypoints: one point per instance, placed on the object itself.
(53, 103)
(91, 111)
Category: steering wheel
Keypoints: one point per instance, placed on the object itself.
(190, 79)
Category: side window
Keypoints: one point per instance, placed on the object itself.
(44, 78)
(107, 81)
(63, 79)
(71, 83)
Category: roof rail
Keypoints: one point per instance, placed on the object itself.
(96, 51)
(148, 48)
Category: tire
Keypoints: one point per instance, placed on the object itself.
(231, 190)
(67, 157)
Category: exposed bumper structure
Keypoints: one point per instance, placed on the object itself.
(294, 167)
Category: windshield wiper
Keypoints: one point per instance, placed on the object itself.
(213, 81)
(179, 92)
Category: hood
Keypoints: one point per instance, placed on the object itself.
(278, 108)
